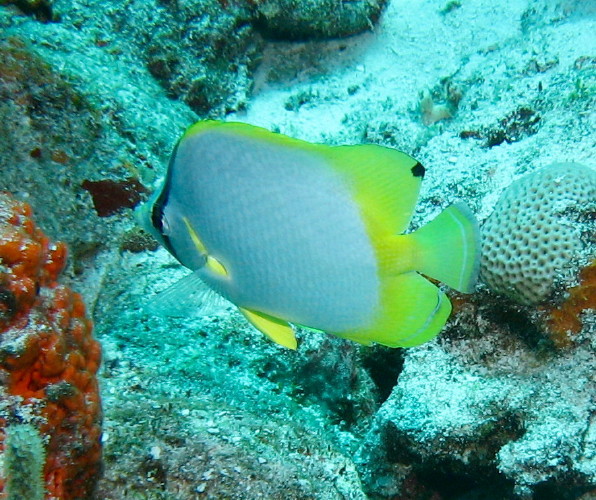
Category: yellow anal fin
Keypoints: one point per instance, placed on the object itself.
(412, 312)
(276, 329)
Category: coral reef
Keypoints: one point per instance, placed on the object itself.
(200, 406)
(48, 361)
(538, 230)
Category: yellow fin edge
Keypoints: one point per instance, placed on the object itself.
(212, 263)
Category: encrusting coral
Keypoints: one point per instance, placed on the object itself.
(48, 359)
(565, 321)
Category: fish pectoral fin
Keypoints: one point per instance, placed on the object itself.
(189, 296)
(216, 267)
(276, 329)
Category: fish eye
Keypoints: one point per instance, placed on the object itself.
(165, 225)
(160, 221)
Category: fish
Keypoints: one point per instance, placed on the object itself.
(303, 235)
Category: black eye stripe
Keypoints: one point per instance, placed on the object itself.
(160, 203)
(156, 217)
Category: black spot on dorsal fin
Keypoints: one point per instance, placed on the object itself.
(418, 170)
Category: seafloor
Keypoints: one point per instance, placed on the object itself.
(501, 405)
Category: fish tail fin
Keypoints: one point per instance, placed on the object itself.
(448, 248)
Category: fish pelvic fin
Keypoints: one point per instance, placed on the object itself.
(280, 331)
(448, 248)
(412, 311)
(189, 296)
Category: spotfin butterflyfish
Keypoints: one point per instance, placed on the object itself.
(294, 233)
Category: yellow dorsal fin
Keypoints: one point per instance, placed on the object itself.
(249, 131)
(212, 263)
(386, 182)
(276, 329)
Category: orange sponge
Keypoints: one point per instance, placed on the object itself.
(48, 358)
(565, 321)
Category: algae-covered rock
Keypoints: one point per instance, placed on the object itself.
(203, 53)
(48, 133)
(486, 415)
(39, 9)
(315, 19)
(206, 51)
(70, 121)
(198, 447)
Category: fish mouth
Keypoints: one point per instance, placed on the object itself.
(142, 215)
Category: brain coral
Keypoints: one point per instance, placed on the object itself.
(542, 224)
(48, 362)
